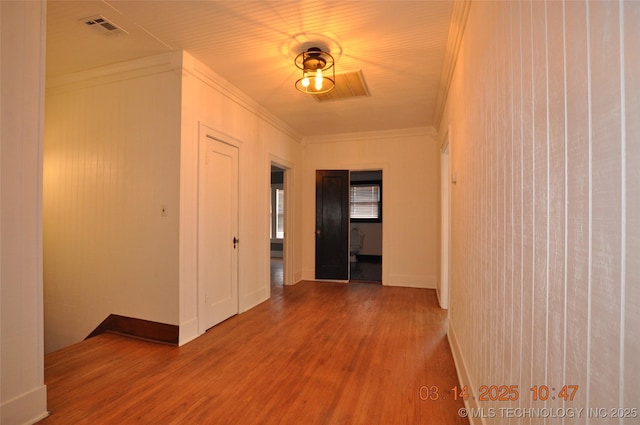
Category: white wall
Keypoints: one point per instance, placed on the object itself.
(111, 162)
(545, 141)
(209, 101)
(122, 143)
(23, 395)
(372, 242)
(409, 160)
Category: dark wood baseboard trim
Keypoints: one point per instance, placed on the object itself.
(377, 259)
(138, 328)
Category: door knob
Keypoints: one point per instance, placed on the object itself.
(235, 242)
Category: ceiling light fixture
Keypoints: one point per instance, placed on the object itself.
(318, 72)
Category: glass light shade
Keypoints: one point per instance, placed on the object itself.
(315, 83)
(319, 80)
(316, 66)
(305, 81)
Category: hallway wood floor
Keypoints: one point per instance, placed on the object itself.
(315, 353)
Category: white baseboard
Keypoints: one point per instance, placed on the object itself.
(27, 408)
(308, 275)
(444, 307)
(411, 281)
(188, 331)
(253, 299)
(463, 375)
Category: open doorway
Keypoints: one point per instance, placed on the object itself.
(277, 226)
(349, 225)
(365, 224)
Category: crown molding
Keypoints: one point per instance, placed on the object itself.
(424, 132)
(197, 69)
(157, 64)
(179, 62)
(459, 16)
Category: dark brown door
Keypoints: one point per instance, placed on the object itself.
(332, 224)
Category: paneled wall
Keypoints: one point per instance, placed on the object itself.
(23, 395)
(111, 191)
(210, 102)
(544, 135)
(120, 192)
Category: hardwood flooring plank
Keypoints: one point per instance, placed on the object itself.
(315, 353)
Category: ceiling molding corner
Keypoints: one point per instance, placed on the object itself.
(399, 134)
(197, 69)
(106, 74)
(459, 16)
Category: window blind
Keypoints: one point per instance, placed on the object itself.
(365, 201)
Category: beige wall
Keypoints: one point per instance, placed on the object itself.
(208, 101)
(111, 163)
(409, 160)
(23, 395)
(121, 144)
(544, 139)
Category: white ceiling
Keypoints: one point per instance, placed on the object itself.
(398, 45)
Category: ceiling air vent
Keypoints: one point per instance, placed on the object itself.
(103, 25)
(348, 85)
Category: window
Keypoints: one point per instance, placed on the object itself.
(277, 213)
(366, 202)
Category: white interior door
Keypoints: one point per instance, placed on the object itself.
(217, 232)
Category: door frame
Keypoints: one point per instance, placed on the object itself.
(208, 133)
(288, 254)
(445, 224)
(381, 170)
(387, 235)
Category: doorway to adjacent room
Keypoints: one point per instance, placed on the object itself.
(349, 225)
(365, 217)
(277, 225)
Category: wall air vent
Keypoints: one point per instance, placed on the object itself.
(348, 85)
(103, 25)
